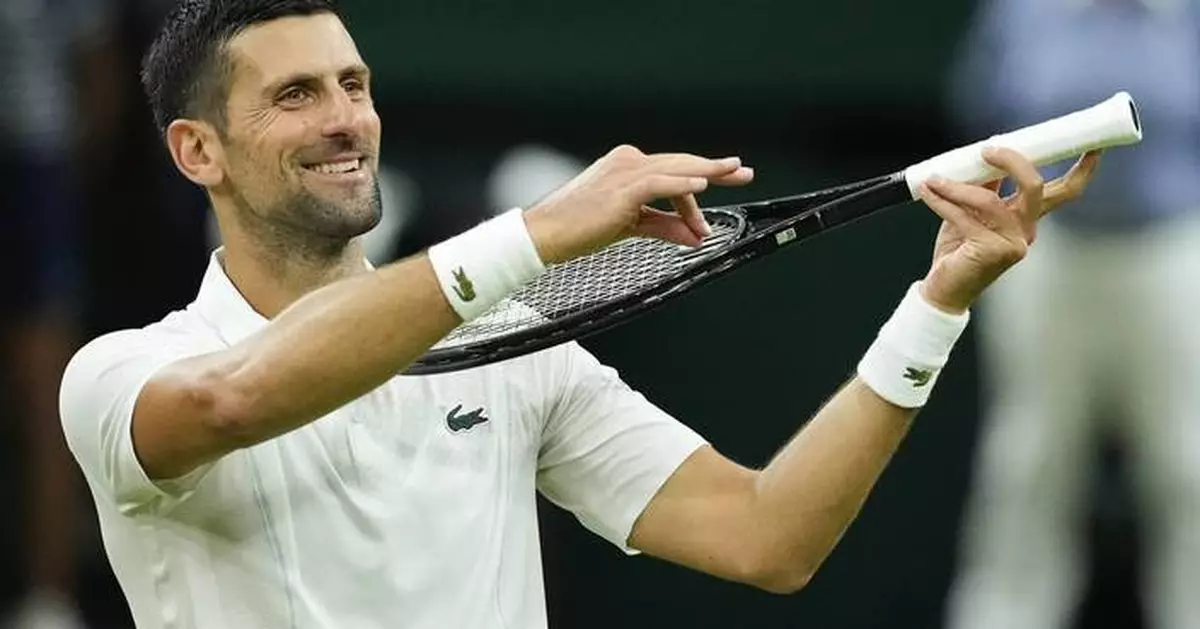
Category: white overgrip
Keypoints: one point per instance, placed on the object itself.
(1114, 122)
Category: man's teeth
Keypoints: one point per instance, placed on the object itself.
(337, 168)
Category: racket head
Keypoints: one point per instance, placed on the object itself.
(594, 293)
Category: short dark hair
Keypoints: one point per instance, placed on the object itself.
(186, 71)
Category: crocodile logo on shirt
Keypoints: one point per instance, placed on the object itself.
(458, 421)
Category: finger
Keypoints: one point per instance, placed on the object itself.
(955, 215)
(665, 226)
(1029, 181)
(687, 165)
(739, 177)
(688, 210)
(978, 198)
(650, 187)
(1071, 185)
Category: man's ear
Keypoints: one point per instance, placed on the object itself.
(197, 151)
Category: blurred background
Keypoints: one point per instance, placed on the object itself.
(1009, 505)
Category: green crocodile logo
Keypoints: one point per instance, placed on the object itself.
(919, 377)
(464, 289)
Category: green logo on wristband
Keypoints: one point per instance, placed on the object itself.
(919, 377)
(465, 289)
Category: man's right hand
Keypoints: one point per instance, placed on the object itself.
(610, 201)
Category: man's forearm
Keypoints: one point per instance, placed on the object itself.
(348, 338)
(813, 488)
(339, 343)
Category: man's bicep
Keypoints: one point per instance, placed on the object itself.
(606, 450)
(183, 419)
(700, 518)
(608, 475)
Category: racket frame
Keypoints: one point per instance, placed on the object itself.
(763, 227)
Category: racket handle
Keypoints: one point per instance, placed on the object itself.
(1114, 122)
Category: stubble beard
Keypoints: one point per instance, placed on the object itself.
(305, 229)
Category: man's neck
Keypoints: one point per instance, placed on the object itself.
(270, 282)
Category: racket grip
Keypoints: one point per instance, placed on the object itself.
(1114, 122)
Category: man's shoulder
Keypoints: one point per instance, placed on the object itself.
(177, 335)
(177, 330)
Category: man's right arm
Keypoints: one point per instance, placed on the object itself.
(330, 347)
(345, 339)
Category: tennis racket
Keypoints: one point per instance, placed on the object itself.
(605, 289)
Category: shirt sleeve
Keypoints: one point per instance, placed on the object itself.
(606, 450)
(99, 389)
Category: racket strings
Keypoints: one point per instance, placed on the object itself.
(614, 273)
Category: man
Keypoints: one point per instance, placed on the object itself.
(1095, 336)
(256, 461)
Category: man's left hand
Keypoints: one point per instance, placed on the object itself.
(984, 234)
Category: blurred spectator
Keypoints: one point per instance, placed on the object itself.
(54, 54)
(1096, 335)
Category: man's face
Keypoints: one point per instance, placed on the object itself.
(302, 140)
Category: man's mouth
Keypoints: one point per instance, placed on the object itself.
(338, 167)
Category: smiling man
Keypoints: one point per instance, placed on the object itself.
(256, 461)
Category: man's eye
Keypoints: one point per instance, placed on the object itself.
(294, 96)
(353, 85)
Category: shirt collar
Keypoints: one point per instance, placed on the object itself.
(223, 306)
(221, 303)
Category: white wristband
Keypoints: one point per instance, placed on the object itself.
(481, 266)
(904, 362)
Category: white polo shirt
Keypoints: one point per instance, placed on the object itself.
(411, 507)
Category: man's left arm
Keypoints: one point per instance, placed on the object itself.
(773, 528)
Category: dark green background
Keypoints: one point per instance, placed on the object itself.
(626, 50)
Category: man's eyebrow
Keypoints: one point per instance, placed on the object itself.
(298, 78)
(308, 78)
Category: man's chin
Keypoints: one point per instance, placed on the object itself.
(341, 216)
(347, 226)
(356, 220)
